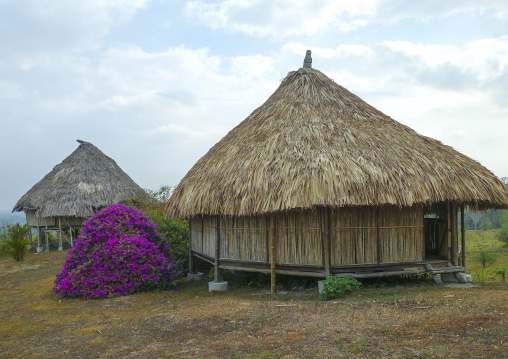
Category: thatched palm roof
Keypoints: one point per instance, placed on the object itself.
(84, 182)
(314, 143)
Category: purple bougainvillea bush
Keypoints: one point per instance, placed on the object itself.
(118, 252)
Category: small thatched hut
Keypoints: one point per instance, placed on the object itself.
(318, 182)
(83, 183)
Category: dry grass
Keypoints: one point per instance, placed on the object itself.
(423, 321)
(314, 143)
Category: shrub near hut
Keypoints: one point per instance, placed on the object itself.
(118, 252)
(175, 231)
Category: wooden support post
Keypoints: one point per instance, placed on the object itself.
(60, 247)
(378, 238)
(453, 244)
(30, 243)
(39, 239)
(423, 239)
(455, 235)
(47, 240)
(272, 252)
(216, 270)
(202, 234)
(70, 235)
(267, 224)
(192, 268)
(463, 236)
(325, 233)
(448, 231)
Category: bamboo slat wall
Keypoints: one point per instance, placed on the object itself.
(358, 235)
(298, 238)
(196, 232)
(353, 233)
(401, 234)
(244, 238)
(209, 234)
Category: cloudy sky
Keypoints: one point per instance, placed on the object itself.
(154, 84)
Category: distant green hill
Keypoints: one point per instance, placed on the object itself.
(11, 218)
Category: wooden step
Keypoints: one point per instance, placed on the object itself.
(383, 274)
(453, 269)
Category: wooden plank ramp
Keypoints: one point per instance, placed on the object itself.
(448, 269)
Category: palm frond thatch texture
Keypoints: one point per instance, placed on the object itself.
(314, 143)
(85, 181)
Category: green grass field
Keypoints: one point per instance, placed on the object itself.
(477, 241)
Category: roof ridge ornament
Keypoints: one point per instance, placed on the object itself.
(308, 59)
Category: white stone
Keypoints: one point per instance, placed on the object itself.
(320, 286)
(450, 278)
(195, 277)
(217, 286)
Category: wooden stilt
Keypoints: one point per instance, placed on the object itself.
(60, 247)
(463, 236)
(267, 224)
(453, 243)
(272, 252)
(46, 235)
(448, 231)
(39, 239)
(30, 243)
(423, 241)
(455, 227)
(378, 239)
(325, 233)
(192, 269)
(217, 275)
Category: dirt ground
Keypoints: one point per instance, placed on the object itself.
(404, 321)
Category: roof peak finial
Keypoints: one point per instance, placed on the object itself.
(308, 59)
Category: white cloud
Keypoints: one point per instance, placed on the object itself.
(285, 18)
(36, 26)
(282, 18)
(138, 107)
(487, 57)
(395, 10)
(157, 111)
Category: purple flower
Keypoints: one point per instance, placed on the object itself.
(118, 252)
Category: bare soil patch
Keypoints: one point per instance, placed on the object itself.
(417, 321)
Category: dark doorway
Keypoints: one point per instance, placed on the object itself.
(431, 237)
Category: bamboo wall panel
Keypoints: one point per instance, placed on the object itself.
(353, 235)
(209, 234)
(244, 238)
(31, 218)
(195, 235)
(400, 233)
(298, 238)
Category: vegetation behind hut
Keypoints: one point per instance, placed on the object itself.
(175, 231)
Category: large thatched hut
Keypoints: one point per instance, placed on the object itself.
(317, 182)
(75, 189)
